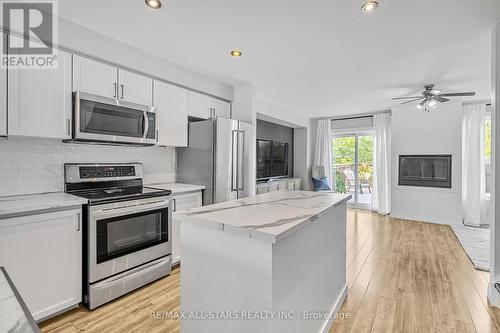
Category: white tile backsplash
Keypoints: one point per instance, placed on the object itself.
(36, 165)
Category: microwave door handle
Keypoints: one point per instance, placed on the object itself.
(145, 125)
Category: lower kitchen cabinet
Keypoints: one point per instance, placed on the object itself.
(42, 254)
(181, 202)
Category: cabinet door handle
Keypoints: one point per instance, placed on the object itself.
(114, 84)
(175, 205)
(78, 226)
(68, 126)
(121, 85)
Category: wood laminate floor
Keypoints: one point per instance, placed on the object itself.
(403, 276)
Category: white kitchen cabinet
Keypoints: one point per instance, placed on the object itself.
(204, 107)
(43, 256)
(94, 77)
(39, 100)
(3, 101)
(181, 202)
(135, 88)
(221, 108)
(171, 104)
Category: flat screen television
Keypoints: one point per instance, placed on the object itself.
(272, 159)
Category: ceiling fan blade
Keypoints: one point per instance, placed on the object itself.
(408, 97)
(413, 100)
(441, 99)
(458, 94)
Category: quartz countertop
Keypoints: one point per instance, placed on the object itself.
(21, 204)
(178, 188)
(270, 216)
(14, 316)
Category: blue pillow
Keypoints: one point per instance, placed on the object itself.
(321, 184)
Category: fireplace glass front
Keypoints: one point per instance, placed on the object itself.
(425, 170)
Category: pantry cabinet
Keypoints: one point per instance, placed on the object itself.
(39, 100)
(42, 254)
(205, 107)
(171, 104)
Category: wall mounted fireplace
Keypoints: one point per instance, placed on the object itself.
(425, 170)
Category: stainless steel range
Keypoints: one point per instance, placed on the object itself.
(126, 235)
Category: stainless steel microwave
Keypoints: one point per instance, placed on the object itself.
(103, 119)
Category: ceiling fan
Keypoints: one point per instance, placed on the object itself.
(431, 96)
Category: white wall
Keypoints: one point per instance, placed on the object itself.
(36, 165)
(439, 131)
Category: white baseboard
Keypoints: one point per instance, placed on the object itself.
(335, 309)
(427, 219)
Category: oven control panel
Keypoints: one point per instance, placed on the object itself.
(107, 171)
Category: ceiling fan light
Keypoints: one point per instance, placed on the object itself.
(369, 6)
(432, 104)
(420, 106)
(155, 4)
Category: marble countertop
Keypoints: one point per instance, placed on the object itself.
(178, 188)
(14, 316)
(21, 204)
(270, 216)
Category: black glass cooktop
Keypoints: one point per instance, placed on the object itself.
(115, 194)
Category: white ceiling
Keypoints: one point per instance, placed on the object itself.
(317, 57)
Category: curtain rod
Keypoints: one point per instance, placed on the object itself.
(363, 115)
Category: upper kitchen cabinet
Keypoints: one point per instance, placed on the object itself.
(135, 88)
(3, 102)
(171, 104)
(221, 108)
(94, 77)
(204, 107)
(39, 100)
(97, 78)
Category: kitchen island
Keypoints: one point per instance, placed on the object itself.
(269, 263)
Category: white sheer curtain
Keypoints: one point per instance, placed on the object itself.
(381, 193)
(323, 149)
(473, 164)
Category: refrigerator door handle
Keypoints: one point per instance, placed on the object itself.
(241, 156)
(234, 161)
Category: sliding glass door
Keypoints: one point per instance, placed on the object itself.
(353, 166)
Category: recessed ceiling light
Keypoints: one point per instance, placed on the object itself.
(236, 53)
(155, 4)
(369, 6)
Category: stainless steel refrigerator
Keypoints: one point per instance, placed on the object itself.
(220, 155)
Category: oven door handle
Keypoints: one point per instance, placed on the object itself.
(119, 211)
